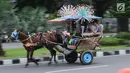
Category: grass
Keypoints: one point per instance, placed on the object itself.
(20, 52)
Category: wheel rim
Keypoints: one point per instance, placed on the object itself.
(87, 57)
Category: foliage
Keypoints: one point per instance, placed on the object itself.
(124, 35)
(122, 16)
(6, 20)
(112, 11)
(113, 41)
(31, 19)
(53, 5)
(53, 15)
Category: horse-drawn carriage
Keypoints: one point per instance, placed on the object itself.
(74, 48)
(80, 46)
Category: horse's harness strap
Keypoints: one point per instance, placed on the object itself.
(25, 39)
(30, 39)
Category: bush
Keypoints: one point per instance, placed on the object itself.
(111, 41)
(124, 35)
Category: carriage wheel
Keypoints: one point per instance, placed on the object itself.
(72, 57)
(86, 58)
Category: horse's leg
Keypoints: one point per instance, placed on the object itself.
(51, 52)
(54, 52)
(32, 59)
(28, 59)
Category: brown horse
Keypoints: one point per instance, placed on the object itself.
(52, 38)
(30, 44)
(33, 43)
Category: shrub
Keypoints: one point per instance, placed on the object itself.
(124, 35)
(113, 41)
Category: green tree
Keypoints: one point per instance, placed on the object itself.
(53, 5)
(122, 16)
(31, 19)
(4, 7)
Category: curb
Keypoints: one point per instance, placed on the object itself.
(24, 60)
(61, 57)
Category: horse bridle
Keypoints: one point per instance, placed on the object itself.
(26, 38)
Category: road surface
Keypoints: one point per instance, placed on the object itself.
(100, 65)
(13, 45)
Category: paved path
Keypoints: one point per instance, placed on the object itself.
(100, 65)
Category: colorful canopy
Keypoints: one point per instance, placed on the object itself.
(78, 12)
(70, 17)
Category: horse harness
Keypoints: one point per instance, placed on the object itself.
(51, 35)
(29, 44)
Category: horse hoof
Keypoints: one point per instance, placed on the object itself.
(56, 62)
(26, 65)
(37, 64)
(49, 63)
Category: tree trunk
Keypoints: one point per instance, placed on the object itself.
(2, 53)
(123, 24)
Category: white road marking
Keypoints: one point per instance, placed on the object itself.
(101, 66)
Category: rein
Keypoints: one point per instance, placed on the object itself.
(43, 38)
(52, 42)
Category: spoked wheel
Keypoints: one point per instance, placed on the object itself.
(72, 57)
(86, 58)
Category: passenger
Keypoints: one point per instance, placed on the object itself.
(95, 27)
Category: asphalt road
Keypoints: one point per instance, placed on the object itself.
(100, 65)
(12, 45)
